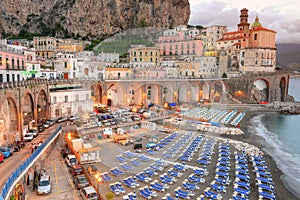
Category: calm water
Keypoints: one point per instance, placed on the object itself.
(282, 133)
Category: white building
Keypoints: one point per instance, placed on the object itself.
(210, 35)
(108, 57)
(208, 67)
(69, 100)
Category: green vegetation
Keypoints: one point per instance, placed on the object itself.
(121, 42)
(93, 44)
(142, 24)
(110, 195)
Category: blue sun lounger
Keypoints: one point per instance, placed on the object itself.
(121, 158)
(267, 195)
(126, 167)
(144, 158)
(116, 172)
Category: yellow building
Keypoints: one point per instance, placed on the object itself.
(142, 53)
(47, 46)
(69, 45)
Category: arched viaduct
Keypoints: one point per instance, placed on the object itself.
(255, 89)
(23, 102)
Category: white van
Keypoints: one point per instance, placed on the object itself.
(44, 186)
(89, 193)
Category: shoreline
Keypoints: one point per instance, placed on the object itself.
(282, 188)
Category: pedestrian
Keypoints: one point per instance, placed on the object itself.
(36, 183)
(35, 146)
(28, 180)
(32, 147)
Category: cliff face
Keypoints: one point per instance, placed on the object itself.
(89, 18)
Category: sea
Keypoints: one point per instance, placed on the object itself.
(282, 136)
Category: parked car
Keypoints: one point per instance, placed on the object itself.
(41, 128)
(47, 124)
(76, 170)
(89, 193)
(80, 181)
(52, 121)
(44, 186)
(28, 137)
(34, 132)
(71, 160)
(5, 151)
(1, 157)
(61, 119)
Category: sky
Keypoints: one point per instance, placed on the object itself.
(283, 16)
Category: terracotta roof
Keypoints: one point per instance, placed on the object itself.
(262, 29)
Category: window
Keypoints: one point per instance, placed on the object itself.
(7, 78)
(0, 60)
(7, 63)
(66, 64)
(33, 67)
(243, 54)
(54, 99)
(87, 96)
(255, 36)
(22, 64)
(18, 64)
(165, 90)
(18, 77)
(66, 98)
(77, 97)
(1, 78)
(12, 63)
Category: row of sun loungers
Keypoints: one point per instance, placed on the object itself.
(176, 148)
(263, 179)
(190, 151)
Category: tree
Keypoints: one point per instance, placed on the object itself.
(224, 75)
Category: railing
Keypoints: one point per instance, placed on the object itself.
(23, 168)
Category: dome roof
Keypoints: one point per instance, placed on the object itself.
(256, 23)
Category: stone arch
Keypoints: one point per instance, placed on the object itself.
(195, 94)
(160, 93)
(182, 92)
(218, 92)
(42, 106)
(97, 93)
(260, 91)
(282, 86)
(27, 108)
(9, 121)
(205, 91)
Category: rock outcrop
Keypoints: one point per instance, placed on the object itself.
(89, 18)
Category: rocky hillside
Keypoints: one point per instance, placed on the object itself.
(89, 18)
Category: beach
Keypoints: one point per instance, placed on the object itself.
(282, 188)
(112, 150)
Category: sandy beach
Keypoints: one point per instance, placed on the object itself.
(282, 189)
(111, 150)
